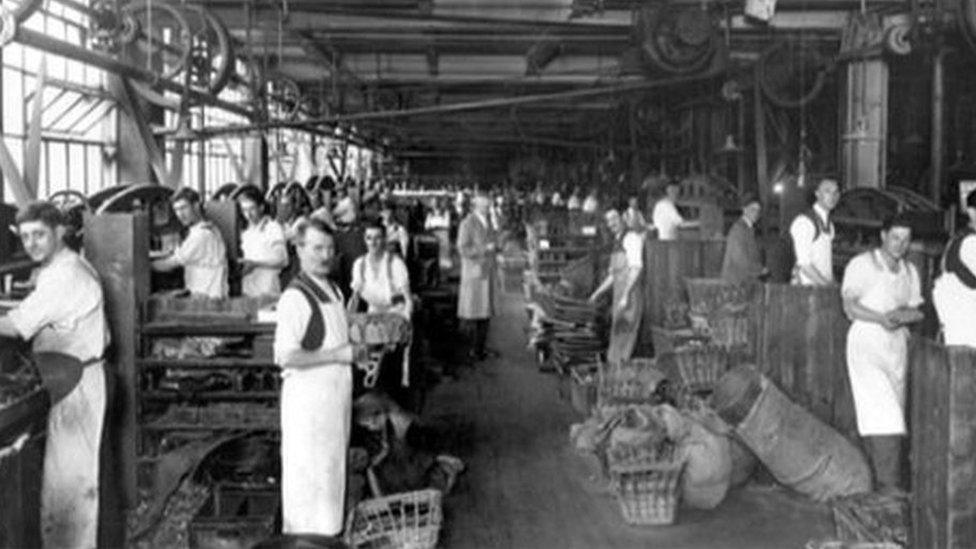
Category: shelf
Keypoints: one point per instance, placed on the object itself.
(215, 395)
(174, 329)
(205, 363)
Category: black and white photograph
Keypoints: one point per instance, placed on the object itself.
(487, 274)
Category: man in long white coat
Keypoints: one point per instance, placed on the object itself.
(881, 293)
(476, 246)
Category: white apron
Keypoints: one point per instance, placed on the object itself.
(821, 257)
(69, 493)
(956, 306)
(316, 413)
(877, 358)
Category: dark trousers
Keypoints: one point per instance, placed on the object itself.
(885, 453)
(477, 331)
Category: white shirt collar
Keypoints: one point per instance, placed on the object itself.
(747, 222)
(822, 212)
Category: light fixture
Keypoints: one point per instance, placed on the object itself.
(730, 146)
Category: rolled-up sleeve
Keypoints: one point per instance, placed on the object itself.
(292, 316)
(42, 307)
(802, 232)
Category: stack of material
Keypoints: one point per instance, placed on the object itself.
(568, 331)
(654, 454)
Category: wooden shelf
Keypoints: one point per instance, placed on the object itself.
(174, 329)
(212, 396)
(205, 363)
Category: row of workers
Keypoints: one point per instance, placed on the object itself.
(881, 293)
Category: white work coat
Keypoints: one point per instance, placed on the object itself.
(877, 358)
(203, 256)
(808, 250)
(66, 314)
(316, 413)
(264, 242)
(955, 302)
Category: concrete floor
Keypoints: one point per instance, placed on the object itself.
(526, 488)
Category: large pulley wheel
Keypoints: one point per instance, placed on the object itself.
(161, 43)
(792, 73)
(284, 98)
(209, 57)
(677, 41)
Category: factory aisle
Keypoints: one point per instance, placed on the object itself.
(526, 488)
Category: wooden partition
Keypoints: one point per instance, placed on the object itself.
(943, 442)
(801, 345)
(667, 264)
(117, 245)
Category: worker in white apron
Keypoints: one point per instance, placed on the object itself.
(812, 234)
(954, 293)
(626, 266)
(65, 314)
(312, 347)
(202, 254)
(881, 293)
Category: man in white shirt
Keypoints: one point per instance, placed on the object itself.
(202, 254)
(666, 218)
(65, 314)
(263, 247)
(396, 234)
(812, 234)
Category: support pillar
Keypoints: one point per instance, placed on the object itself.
(865, 123)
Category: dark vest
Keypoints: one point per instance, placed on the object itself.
(316, 296)
(952, 261)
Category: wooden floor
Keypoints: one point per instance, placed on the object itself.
(526, 488)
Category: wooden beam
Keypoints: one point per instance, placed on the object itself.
(125, 96)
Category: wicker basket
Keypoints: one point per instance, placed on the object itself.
(648, 493)
(668, 339)
(411, 520)
(632, 382)
(872, 518)
(696, 368)
(379, 328)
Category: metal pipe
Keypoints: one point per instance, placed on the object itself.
(473, 105)
(34, 39)
(938, 101)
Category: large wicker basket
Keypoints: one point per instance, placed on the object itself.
(696, 368)
(411, 520)
(648, 493)
(631, 382)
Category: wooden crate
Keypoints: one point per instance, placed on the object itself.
(943, 434)
(666, 266)
(802, 346)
